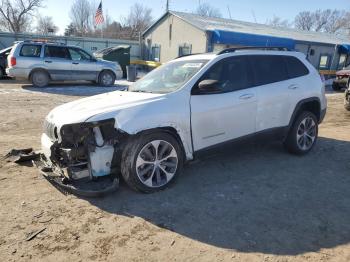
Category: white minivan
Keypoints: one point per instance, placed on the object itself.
(187, 105)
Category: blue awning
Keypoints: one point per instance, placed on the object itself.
(344, 49)
(244, 39)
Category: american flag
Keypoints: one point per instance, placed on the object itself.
(99, 15)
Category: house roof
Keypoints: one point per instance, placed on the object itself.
(229, 25)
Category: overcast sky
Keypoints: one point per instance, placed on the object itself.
(241, 10)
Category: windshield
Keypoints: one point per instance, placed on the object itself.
(169, 77)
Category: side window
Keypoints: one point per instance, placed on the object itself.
(78, 55)
(57, 52)
(30, 50)
(269, 69)
(232, 74)
(295, 67)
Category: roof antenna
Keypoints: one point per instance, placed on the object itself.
(229, 12)
(167, 5)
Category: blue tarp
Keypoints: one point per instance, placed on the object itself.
(244, 39)
(344, 49)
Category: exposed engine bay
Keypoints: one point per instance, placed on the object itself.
(84, 151)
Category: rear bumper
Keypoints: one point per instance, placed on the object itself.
(17, 72)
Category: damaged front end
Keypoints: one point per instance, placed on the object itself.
(83, 152)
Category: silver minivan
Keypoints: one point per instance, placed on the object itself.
(42, 62)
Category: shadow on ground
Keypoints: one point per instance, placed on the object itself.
(253, 198)
(75, 89)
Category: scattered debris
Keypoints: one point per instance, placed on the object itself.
(4, 178)
(39, 215)
(172, 243)
(46, 221)
(34, 234)
(21, 155)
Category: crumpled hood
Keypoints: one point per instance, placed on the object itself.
(83, 109)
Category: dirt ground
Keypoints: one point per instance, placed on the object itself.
(254, 202)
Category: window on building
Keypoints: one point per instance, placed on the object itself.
(325, 61)
(30, 50)
(342, 61)
(269, 69)
(156, 53)
(295, 67)
(185, 49)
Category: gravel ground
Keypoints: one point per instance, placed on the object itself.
(251, 202)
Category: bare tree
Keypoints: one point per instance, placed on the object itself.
(304, 21)
(81, 15)
(278, 22)
(328, 21)
(45, 25)
(16, 15)
(205, 9)
(138, 19)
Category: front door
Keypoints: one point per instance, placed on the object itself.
(229, 112)
(84, 66)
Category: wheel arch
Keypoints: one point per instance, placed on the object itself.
(312, 104)
(169, 130)
(38, 69)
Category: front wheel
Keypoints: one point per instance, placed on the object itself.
(151, 162)
(303, 134)
(106, 78)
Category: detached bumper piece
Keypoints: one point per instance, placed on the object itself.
(77, 183)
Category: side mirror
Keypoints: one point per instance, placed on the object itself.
(209, 86)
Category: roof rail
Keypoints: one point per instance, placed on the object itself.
(42, 41)
(234, 49)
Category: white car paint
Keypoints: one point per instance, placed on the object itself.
(200, 121)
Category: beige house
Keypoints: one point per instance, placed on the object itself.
(177, 34)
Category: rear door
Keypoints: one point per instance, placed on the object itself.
(273, 91)
(229, 113)
(58, 62)
(84, 66)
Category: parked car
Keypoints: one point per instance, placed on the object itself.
(42, 62)
(342, 79)
(3, 60)
(347, 99)
(185, 107)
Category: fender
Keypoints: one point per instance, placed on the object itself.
(299, 106)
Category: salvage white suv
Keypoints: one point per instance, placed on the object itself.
(185, 106)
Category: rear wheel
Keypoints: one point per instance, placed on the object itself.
(336, 87)
(40, 78)
(303, 134)
(151, 162)
(106, 78)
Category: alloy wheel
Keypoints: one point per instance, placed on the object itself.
(306, 134)
(156, 163)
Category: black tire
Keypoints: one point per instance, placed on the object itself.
(106, 78)
(130, 156)
(347, 99)
(291, 142)
(40, 78)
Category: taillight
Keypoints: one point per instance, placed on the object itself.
(13, 61)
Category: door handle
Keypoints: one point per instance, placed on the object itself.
(75, 63)
(246, 96)
(47, 61)
(292, 87)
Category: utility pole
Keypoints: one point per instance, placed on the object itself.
(167, 5)
(229, 11)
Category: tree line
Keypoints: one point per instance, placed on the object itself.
(19, 15)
